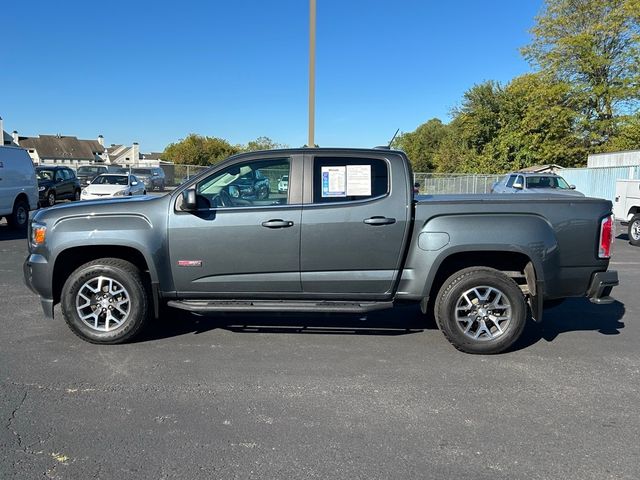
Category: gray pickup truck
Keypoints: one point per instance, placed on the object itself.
(347, 236)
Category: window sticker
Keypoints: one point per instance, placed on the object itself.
(359, 180)
(334, 181)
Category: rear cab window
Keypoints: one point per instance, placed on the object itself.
(349, 179)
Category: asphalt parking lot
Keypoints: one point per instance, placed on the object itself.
(320, 396)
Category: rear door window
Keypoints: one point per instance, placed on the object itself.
(348, 179)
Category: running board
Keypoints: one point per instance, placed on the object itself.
(278, 306)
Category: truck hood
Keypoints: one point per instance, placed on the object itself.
(115, 206)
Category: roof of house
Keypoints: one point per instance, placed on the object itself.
(152, 156)
(63, 147)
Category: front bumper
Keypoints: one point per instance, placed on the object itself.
(37, 277)
(601, 285)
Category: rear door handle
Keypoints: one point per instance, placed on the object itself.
(277, 223)
(379, 221)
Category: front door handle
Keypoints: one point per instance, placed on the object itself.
(277, 223)
(379, 221)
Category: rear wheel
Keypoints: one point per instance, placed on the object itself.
(19, 217)
(105, 301)
(51, 198)
(634, 230)
(480, 310)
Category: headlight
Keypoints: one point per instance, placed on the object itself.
(38, 233)
(41, 189)
(83, 192)
(120, 193)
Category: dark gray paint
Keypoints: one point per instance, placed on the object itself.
(329, 252)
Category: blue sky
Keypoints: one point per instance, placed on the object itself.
(153, 72)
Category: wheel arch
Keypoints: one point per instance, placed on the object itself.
(71, 258)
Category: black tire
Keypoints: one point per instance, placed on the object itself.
(161, 187)
(634, 230)
(122, 272)
(19, 218)
(51, 198)
(76, 196)
(492, 339)
(263, 194)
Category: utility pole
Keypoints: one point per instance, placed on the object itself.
(312, 71)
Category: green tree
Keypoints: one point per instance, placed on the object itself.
(537, 120)
(422, 144)
(199, 150)
(262, 143)
(593, 46)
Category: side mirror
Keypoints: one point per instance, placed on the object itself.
(572, 187)
(189, 199)
(155, 174)
(133, 184)
(518, 186)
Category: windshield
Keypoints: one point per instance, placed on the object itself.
(89, 170)
(45, 174)
(141, 171)
(111, 180)
(547, 182)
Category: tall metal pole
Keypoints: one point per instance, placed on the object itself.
(312, 71)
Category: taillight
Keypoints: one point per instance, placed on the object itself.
(606, 237)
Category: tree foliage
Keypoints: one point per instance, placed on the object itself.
(197, 149)
(422, 144)
(582, 98)
(593, 46)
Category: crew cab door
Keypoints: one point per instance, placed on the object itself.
(237, 242)
(355, 225)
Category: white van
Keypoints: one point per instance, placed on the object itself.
(626, 207)
(18, 186)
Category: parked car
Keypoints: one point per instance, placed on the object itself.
(86, 173)
(57, 183)
(111, 185)
(116, 169)
(18, 186)
(253, 185)
(355, 240)
(283, 184)
(626, 208)
(153, 178)
(524, 182)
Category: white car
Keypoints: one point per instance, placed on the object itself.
(18, 186)
(111, 185)
(283, 184)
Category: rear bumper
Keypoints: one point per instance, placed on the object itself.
(601, 285)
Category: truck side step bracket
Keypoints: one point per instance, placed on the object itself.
(278, 306)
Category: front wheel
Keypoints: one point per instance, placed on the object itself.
(634, 230)
(480, 310)
(105, 301)
(76, 195)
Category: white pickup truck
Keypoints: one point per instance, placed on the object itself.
(626, 207)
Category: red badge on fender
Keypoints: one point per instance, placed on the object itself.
(189, 263)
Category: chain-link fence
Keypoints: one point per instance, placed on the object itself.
(451, 183)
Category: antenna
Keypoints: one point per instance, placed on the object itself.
(393, 138)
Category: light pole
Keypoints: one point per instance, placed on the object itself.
(312, 71)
